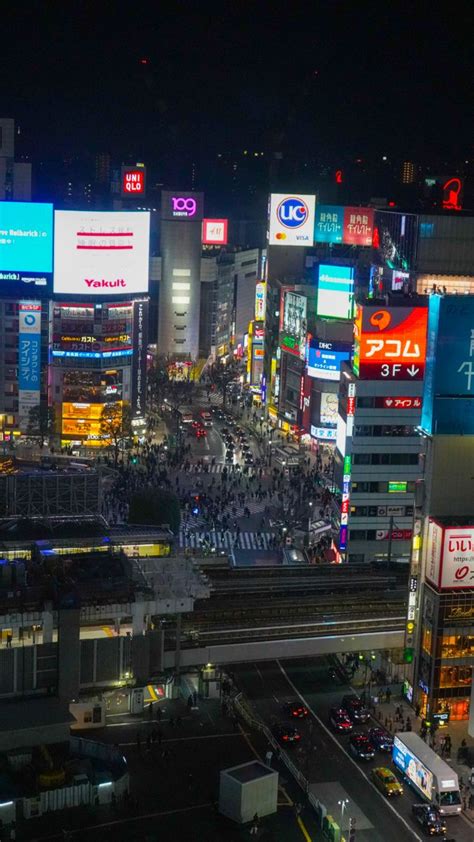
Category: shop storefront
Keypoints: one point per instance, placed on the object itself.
(444, 674)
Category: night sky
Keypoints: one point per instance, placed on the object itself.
(344, 78)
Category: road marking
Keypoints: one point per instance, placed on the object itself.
(152, 692)
(260, 674)
(303, 829)
(277, 700)
(361, 772)
(206, 805)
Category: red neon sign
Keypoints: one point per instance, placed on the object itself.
(452, 190)
(133, 181)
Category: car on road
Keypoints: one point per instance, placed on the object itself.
(286, 734)
(381, 739)
(355, 708)
(229, 456)
(361, 747)
(248, 459)
(386, 781)
(340, 720)
(200, 433)
(429, 818)
(296, 710)
(245, 447)
(225, 431)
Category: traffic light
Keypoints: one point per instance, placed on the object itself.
(134, 460)
(361, 656)
(408, 655)
(373, 656)
(352, 830)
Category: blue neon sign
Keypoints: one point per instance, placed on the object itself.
(26, 237)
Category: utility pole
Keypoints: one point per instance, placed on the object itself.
(389, 549)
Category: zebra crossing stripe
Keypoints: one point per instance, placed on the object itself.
(245, 541)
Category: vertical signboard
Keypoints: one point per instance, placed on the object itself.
(140, 334)
(260, 300)
(329, 224)
(29, 359)
(358, 226)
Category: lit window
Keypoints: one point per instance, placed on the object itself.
(180, 285)
(180, 299)
(181, 273)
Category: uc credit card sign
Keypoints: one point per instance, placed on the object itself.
(291, 219)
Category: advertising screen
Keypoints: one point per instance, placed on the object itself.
(390, 344)
(29, 359)
(214, 232)
(92, 411)
(336, 292)
(329, 408)
(291, 219)
(101, 252)
(416, 772)
(449, 381)
(26, 242)
(325, 358)
(133, 181)
(293, 328)
(184, 206)
(260, 300)
(358, 226)
(329, 225)
(395, 239)
(80, 427)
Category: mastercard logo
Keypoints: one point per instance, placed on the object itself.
(280, 236)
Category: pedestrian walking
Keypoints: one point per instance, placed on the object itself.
(388, 695)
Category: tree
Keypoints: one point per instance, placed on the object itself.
(116, 426)
(41, 422)
(155, 507)
(221, 375)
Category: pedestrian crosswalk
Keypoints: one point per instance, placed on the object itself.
(217, 468)
(225, 540)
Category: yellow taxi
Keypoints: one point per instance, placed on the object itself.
(386, 781)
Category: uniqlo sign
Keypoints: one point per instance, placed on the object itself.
(214, 232)
(390, 343)
(450, 556)
(133, 181)
(358, 226)
(398, 403)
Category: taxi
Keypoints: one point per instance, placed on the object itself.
(386, 781)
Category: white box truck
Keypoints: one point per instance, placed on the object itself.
(429, 776)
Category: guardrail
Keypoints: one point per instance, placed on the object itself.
(318, 807)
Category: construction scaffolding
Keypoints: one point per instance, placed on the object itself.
(50, 494)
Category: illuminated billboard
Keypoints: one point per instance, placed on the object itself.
(29, 359)
(329, 224)
(214, 232)
(80, 427)
(133, 181)
(336, 292)
(324, 359)
(101, 252)
(293, 324)
(394, 239)
(358, 226)
(92, 411)
(260, 300)
(390, 343)
(411, 766)
(291, 219)
(329, 408)
(449, 381)
(26, 242)
(179, 206)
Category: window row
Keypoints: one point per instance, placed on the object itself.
(385, 459)
(374, 430)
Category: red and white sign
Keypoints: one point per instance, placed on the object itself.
(397, 534)
(214, 232)
(450, 559)
(390, 343)
(358, 226)
(101, 252)
(398, 403)
(133, 181)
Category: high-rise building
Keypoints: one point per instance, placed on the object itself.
(180, 285)
(377, 459)
(15, 176)
(408, 172)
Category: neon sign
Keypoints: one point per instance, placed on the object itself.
(452, 190)
(183, 206)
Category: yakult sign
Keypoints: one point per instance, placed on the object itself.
(450, 556)
(101, 253)
(185, 206)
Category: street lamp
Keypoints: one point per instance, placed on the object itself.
(343, 804)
